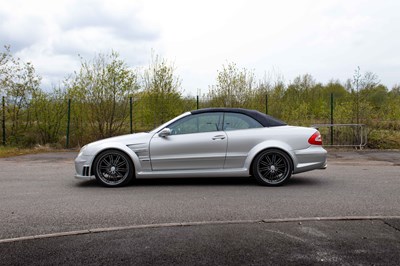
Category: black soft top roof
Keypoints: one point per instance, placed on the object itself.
(263, 119)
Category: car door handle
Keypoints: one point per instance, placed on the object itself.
(218, 137)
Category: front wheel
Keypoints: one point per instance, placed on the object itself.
(113, 168)
(272, 167)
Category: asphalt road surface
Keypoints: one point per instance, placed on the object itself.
(48, 217)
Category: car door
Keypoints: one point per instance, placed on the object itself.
(196, 142)
(243, 133)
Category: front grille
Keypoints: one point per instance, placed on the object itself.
(86, 171)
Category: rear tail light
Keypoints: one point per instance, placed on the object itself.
(315, 139)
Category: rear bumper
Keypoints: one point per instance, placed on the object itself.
(312, 158)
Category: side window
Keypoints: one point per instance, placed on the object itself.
(235, 121)
(206, 122)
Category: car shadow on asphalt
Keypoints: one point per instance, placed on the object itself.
(306, 181)
(209, 181)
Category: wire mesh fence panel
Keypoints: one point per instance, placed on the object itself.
(343, 135)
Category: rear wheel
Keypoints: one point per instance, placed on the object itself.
(272, 167)
(113, 168)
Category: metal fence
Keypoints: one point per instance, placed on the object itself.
(343, 135)
(144, 115)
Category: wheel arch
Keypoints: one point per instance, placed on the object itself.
(269, 145)
(118, 147)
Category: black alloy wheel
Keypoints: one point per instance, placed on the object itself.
(113, 168)
(272, 167)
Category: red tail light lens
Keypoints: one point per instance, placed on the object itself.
(315, 139)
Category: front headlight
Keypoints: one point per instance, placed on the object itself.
(82, 150)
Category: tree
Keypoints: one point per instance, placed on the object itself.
(394, 106)
(104, 86)
(161, 96)
(269, 90)
(362, 82)
(234, 87)
(301, 98)
(19, 82)
(49, 110)
(5, 58)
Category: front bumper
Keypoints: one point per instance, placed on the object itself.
(83, 167)
(86, 178)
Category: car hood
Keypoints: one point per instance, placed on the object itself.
(126, 140)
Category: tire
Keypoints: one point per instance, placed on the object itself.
(272, 167)
(113, 168)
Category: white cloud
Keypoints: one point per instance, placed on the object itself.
(51, 34)
(327, 39)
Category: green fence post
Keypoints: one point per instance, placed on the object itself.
(4, 121)
(331, 118)
(130, 113)
(68, 122)
(197, 102)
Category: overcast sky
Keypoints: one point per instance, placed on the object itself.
(327, 39)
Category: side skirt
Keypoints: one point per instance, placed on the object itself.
(194, 173)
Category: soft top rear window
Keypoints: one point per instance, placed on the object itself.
(263, 119)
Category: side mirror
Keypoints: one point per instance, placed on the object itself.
(165, 132)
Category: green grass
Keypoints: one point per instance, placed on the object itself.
(8, 151)
(384, 139)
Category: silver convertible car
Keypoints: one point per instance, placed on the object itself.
(212, 142)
